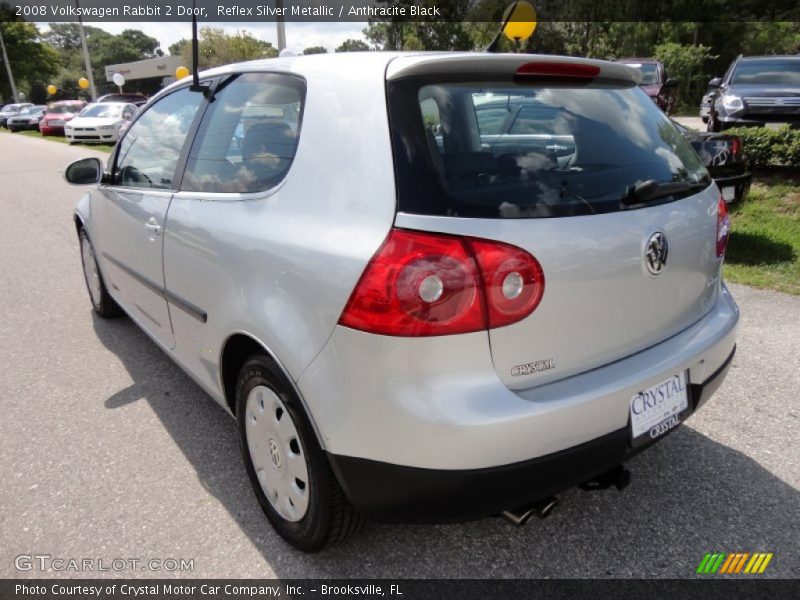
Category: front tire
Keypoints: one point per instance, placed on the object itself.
(288, 470)
(102, 302)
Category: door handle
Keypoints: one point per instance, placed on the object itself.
(153, 226)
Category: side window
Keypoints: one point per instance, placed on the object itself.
(248, 136)
(490, 120)
(149, 151)
(536, 120)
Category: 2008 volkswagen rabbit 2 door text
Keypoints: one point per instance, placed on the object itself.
(429, 287)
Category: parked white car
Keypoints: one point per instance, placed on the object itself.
(99, 123)
(414, 311)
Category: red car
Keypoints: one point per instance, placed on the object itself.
(59, 113)
(655, 82)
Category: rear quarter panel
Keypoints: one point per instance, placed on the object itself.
(281, 265)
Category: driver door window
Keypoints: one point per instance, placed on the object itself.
(149, 151)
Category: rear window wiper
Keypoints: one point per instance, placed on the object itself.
(650, 190)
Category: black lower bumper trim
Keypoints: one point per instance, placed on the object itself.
(400, 494)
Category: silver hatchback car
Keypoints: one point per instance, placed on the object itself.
(429, 287)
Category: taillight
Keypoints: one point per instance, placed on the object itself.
(723, 226)
(736, 146)
(513, 281)
(556, 69)
(425, 284)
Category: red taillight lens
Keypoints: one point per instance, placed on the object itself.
(723, 226)
(418, 284)
(424, 284)
(736, 146)
(513, 281)
(555, 69)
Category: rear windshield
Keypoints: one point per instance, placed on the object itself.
(785, 72)
(513, 151)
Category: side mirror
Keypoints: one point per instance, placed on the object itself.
(671, 83)
(715, 83)
(85, 171)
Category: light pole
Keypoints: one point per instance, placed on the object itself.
(8, 68)
(87, 62)
(281, 25)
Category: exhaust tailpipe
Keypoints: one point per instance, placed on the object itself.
(540, 508)
(618, 477)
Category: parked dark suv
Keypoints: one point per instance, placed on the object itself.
(654, 82)
(757, 90)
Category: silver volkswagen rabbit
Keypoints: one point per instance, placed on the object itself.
(428, 286)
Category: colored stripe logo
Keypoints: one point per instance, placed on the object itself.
(735, 563)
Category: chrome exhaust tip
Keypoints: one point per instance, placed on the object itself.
(540, 508)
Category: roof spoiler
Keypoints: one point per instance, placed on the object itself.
(518, 66)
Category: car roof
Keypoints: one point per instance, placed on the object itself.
(390, 65)
(769, 57)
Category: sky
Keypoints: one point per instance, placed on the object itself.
(298, 35)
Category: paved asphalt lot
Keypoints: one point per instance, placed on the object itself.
(107, 450)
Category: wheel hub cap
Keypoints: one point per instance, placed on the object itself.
(276, 452)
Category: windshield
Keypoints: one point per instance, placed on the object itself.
(31, 110)
(649, 72)
(786, 72)
(465, 149)
(60, 109)
(12, 107)
(109, 111)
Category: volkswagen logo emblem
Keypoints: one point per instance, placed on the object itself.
(274, 454)
(656, 253)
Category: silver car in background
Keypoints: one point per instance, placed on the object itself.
(429, 287)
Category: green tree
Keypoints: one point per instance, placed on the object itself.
(689, 64)
(352, 45)
(33, 62)
(215, 48)
(104, 49)
(394, 34)
(315, 50)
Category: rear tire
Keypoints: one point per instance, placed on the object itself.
(306, 505)
(102, 302)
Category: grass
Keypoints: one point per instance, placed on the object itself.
(764, 247)
(60, 138)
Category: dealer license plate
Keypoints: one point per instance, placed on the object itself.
(657, 409)
(729, 193)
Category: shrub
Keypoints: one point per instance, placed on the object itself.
(768, 147)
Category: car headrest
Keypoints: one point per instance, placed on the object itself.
(272, 139)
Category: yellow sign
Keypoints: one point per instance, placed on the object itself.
(520, 20)
(51, 89)
(181, 72)
(83, 83)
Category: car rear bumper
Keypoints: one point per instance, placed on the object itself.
(436, 404)
(738, 184)
(400, 494)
